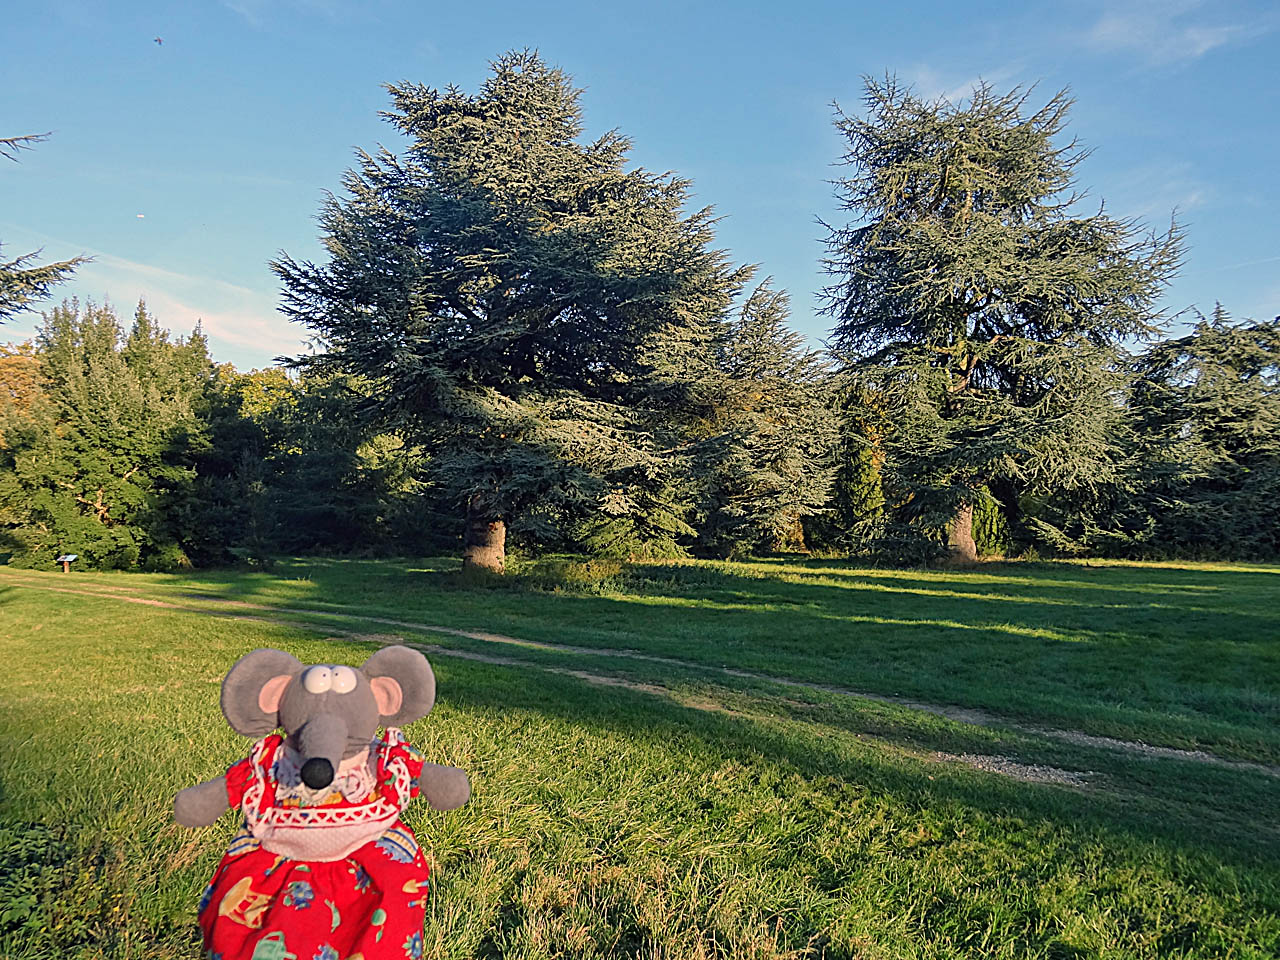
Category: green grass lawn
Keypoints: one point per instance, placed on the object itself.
(636, 807)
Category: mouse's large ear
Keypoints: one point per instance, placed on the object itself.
(253, 688)
(402, 683)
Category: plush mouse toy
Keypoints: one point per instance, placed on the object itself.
(322, 868)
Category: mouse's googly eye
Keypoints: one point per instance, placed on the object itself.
(344, 679)
(318, 680)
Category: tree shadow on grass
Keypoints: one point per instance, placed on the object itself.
(1063, 644)
(1170, 655)
(323, 581)
(1201, 789)
(61, 891)
(918, 784)
(1060, 597)
(1039, 602)
(953, 643)
(1071, 609)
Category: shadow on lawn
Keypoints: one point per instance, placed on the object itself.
(1179, 656)
(61, 892)
(933, 634)
(328, 581)
(1183, 827)
(1063, 595)
(1044, 602)
(1044, 598)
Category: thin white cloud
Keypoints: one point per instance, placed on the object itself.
(1152, 191)
(260, 334)
(1166, 32)
(166, 276)
(1249, 263)
(929, 83)
(230, 315)
(256, 11)
(250, 11)
(243, 324)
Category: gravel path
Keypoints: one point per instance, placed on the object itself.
(1030, 772)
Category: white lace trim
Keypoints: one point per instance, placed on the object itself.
(354, 781)
(264, 822)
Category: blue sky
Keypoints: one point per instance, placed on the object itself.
(184, 167)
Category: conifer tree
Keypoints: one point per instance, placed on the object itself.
(855, 511)
(980, 309)
(102, 463)
(765, 464)
(293, 466)
(1207, 417)
(509, 292)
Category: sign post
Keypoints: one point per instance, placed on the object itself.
(65, 560)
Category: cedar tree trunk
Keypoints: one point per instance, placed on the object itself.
(486, 543)
(961, 550)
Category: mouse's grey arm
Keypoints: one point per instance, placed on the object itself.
(445, 788)
(201, 805)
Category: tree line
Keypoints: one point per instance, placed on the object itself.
(522, 341)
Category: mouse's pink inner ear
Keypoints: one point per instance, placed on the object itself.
(388, 695)
(271, 693)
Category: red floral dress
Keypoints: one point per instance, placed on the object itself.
(319, 875)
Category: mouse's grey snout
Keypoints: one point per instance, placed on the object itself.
(321, 743)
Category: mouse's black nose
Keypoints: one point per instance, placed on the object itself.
(317, 772)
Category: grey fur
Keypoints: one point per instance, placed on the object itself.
(330, 725)
(245, 681)
(201, 805)
(444, 788)
(327, 726)
(410, 670)
(323, 737)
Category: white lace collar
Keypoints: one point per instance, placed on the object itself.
(354, 779)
